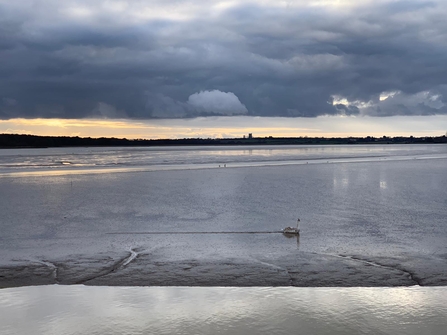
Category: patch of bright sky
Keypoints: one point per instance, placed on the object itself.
(232, 127)
(188, 9)
(386, 95)
(78, 12)
(357, 103)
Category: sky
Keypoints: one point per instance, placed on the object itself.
(180, 68)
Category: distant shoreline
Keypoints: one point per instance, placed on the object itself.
(8, 141)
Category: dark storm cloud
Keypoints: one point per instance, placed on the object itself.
(176, 59)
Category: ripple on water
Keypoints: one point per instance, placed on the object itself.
(216, 310)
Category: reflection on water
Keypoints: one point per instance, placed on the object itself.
(99, 160)
(294, 236)
(173, 310)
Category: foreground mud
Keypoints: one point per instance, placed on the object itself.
(140, 268)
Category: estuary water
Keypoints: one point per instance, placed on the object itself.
(160, 218)
(51, 161)
(70, 310)
(352, 200)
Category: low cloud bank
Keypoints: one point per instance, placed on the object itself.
(178, 59)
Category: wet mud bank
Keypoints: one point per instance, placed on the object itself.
(139, 268)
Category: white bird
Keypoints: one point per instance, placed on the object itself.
(292, 230)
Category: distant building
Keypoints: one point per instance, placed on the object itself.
(250, 135)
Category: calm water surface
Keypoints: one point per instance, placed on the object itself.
(64, 310)
(74, 160)
(393, 204)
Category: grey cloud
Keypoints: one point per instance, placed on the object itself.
(347, 110)
(422, 103)
(104, 110)
(161, 106)
(259, 60)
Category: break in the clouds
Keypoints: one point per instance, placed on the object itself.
(182, 59)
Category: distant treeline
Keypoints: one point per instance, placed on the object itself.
(33, 141)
